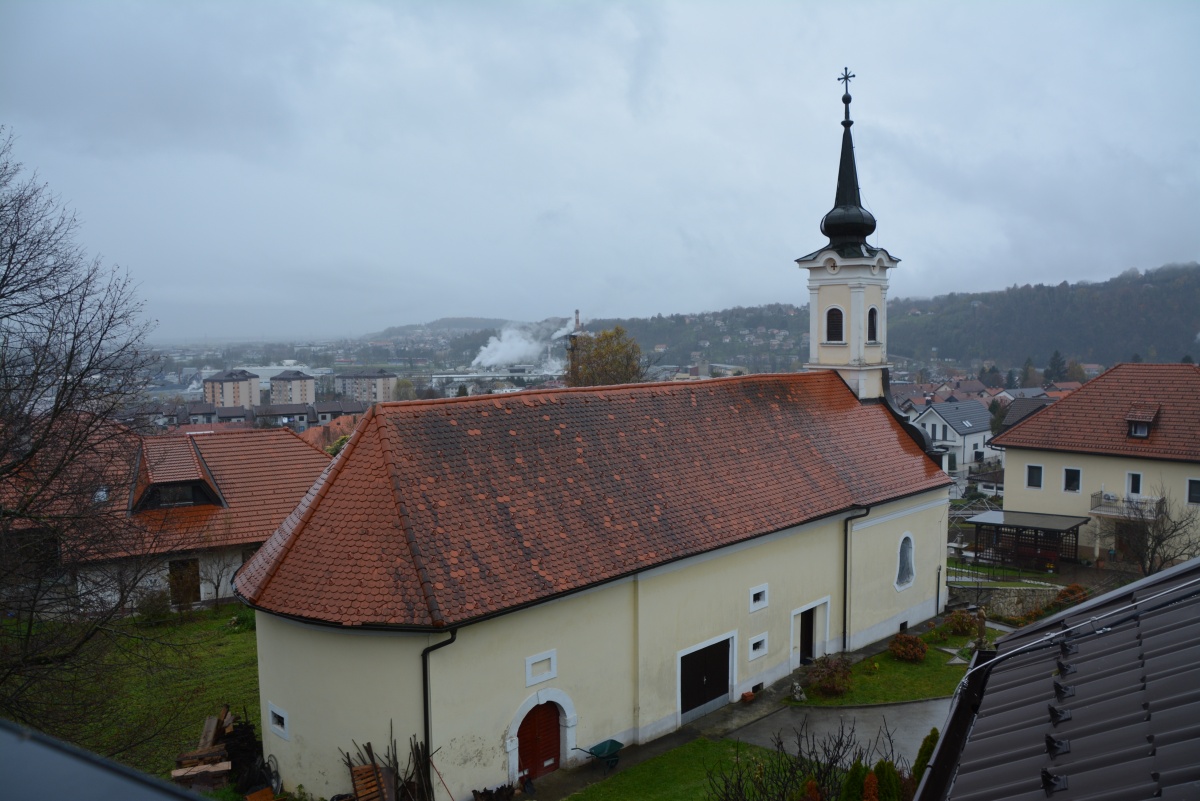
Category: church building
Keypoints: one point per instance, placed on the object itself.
(510, 578)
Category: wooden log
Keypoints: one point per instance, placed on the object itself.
(210, 733)
(201, 771)
(216, 753)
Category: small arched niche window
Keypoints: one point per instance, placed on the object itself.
(873, 325)
(834, 329)
(904, 570)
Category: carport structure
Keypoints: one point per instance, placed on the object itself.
(1027, 539)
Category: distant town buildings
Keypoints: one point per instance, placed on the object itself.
(368, 386)
(232, 388)
(293, 386)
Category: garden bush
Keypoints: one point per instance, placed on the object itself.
(960, 622)
(908, 648)
(852, 784)
(889, 781)
(1071, 595)
(925, 754)
(154, 607)
(830, 674)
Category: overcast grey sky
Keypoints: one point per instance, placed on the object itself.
(304, 169)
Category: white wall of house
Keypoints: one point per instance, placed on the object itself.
(963, 446)
(1110, 474)
(609, 657)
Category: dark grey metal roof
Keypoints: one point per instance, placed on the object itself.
(34, 766)
(965, 417)
(1006, 517)
(1020, 408)
(1099, 702)
(292, 375)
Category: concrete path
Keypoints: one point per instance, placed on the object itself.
(908, 723)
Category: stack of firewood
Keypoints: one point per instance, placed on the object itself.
(224, 745)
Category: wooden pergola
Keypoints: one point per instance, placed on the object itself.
(1028, 539)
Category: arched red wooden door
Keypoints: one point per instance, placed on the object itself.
(538, 741)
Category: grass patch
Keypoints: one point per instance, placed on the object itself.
(678, 775)
(883, 679)
(209, 663)
(1002, 572)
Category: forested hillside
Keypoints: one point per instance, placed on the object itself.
(1154, 315)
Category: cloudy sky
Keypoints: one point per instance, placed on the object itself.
(304, 169)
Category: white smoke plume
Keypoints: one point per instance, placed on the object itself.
(513, 346)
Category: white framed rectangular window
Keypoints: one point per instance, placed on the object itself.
(277, 719)
(1193, 490)
(1133, 484)
(1072, 479)
(758, 646)
(1033, 476)
(541, 667)
(758, 597)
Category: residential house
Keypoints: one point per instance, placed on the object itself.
(197, 412)
(367, 386)
(963, 428)
(293, 386)
(322, 413)
(232, 388)
(207, 501)
(512, 577)
(292, 415)
(234, 414)
(1099, 702)
(1126, 438)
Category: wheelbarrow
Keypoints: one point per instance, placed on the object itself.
(609, 751)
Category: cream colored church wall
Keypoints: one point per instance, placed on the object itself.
(609, 657)
(331, 686)
(709, 598)
(878, 605)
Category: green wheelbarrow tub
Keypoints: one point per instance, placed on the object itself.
(609, 751)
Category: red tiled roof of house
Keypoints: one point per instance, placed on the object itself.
(440, 512)
(1095, 418)
(260, 474)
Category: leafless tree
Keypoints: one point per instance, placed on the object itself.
(813, 766)
(1155, 532)
(71, 560)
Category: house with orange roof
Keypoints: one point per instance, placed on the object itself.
(1127, 438)
(205, 501)
(511, 578)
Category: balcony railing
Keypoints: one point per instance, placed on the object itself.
(1109, 504)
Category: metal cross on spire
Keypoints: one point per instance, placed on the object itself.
(845, 78)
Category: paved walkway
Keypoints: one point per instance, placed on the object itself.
(759, 721)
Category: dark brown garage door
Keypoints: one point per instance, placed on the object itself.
(704, 680)
(537, 741)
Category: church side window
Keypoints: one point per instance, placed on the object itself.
(905, 570)
(873, 325)
(833, 326)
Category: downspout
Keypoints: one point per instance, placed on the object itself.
(937, 592)
(425, 689)
(866, 510)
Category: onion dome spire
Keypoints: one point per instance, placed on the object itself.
(847, 223)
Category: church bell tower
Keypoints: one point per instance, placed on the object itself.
(847, 284)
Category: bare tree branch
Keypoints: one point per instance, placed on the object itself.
(1155, 532)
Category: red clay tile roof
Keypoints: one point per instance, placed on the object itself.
(440, 512)
(1095, 418)
(261, 475)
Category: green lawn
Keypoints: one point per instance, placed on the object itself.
(678, 775)
(883, 679)
(218, 664)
